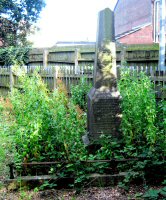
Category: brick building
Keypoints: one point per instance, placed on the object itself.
(137, 22)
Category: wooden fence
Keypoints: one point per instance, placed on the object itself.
(71, 75)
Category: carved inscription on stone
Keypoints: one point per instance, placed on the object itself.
(106, 117)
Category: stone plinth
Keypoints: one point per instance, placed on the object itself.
(104, 115)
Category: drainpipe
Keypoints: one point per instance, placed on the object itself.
(162, 36)
(156, 21)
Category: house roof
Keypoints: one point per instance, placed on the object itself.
(116, 4)
(134, 29)
(71, 43)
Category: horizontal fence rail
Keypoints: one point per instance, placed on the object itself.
(71, 75)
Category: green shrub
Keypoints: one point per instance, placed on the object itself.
(143, 135)
(6, 139)
(161, 123)
(138, 108)
(79, 93)
(14, 55)
(47, 127)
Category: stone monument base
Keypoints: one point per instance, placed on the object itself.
(104, 114)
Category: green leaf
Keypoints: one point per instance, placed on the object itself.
(151, 194)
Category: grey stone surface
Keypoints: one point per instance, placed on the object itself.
(104, 114)
(85, 139)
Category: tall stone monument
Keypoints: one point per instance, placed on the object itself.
(103, 98)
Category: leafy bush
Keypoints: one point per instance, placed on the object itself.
(79, 93)
(6, 137)
(138, 108)
(46, 126)
(153, 194)
(161, 123)
(143, 137)
(13, 56)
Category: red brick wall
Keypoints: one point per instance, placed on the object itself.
(142, 36)
(132, 13)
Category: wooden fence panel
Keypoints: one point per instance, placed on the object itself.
(71, 75)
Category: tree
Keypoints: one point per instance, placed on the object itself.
(17, 18)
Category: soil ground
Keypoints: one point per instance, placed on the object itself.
(108, 193)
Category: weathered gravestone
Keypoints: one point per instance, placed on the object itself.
(103, 99)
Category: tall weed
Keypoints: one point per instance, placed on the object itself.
(79, 93)
(138, 108)
(6, 137)
(47, 127)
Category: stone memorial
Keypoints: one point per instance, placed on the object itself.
(104, 114)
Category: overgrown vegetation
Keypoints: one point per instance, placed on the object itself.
(48, 127)
(79, 93)
(45, 120)
(138, 109)
(143, 127)
(14, 55)
(6, 137)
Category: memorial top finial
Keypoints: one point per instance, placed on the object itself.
(105, 31)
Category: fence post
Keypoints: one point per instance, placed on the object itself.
(76, 60)
(45, 58)
(55, 77)
(11, 79)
